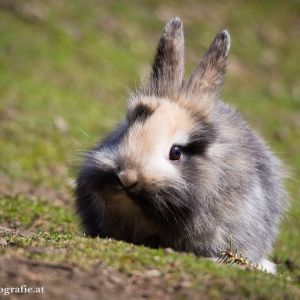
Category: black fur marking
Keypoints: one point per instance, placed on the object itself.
(140, 113)
(99, 180)
(200, 140)
(195, 148)
(90, 212)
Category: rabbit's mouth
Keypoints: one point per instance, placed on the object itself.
(164, 207)
(167, 205)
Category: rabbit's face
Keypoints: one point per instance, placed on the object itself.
(158, 159)
(162, 134)
(154, 141)
(155, 158)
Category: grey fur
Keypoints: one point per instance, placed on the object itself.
(231, 188)
(208, 75)
(167, 69)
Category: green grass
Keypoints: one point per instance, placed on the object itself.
(65, 70)
(129, 259)
(37, 215)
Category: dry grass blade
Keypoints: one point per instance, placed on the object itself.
(232, 257)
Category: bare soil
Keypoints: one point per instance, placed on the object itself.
(62, 281)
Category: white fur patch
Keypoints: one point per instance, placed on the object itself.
(180, 138)
(268, 266)
(158, 162)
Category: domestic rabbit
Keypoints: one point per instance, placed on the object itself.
(184, 170)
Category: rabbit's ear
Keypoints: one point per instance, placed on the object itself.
(207, 78)
(167, 69)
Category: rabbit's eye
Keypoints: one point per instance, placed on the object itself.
(175, 153)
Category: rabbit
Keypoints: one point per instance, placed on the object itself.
(183, 170)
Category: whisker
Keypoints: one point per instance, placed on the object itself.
(83, 132)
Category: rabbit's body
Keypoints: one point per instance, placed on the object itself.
(183, 170)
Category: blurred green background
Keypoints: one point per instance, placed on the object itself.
(66, 68)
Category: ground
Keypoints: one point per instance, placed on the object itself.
(65, 71)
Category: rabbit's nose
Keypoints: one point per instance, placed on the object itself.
(128, 178)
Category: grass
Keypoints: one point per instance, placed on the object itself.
(66, 67)
(204, 275)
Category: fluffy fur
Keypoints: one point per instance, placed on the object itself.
(227, 184)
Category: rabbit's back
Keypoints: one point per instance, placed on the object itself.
(250, 190)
